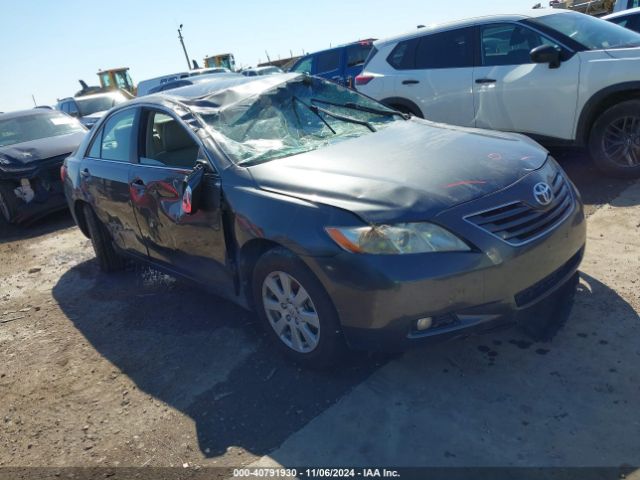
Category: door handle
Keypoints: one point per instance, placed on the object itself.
(485, 80)
(410, 82)
(85, 173)
(138, 182)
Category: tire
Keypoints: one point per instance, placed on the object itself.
(311, 334)
(614, 142)
(106, 254)
(405, 109)
(8, 202)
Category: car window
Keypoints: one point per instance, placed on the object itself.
(72, 108)
(452, 49)
(64, 106)
(116, 137)
(357, 54)
(509, 44)
(167, 143)
(303, 66)
(327, 61)
(403, 56)
(39, 124)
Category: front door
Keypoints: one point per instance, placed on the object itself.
(435, 71)
(513, 94)
(190, 244)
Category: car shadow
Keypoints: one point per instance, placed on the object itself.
(207, 357)
(595, 187)
(202, 355)
(42, 226)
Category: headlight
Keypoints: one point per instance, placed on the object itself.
(397, 239)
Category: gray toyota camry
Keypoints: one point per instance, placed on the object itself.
(339, 221)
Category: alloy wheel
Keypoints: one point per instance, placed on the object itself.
(621, 141)
(291, 312)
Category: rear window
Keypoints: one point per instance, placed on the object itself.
(403, 56)
(357, 54)
(327, 61)
(34, 127)
(450, 49)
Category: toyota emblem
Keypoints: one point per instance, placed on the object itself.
(542, 193)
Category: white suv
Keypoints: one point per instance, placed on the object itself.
(561, 77)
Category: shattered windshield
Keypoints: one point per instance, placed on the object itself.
(293, 117)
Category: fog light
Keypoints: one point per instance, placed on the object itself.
(424, 323)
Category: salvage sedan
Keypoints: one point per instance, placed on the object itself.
(33, 145)
(340, 221)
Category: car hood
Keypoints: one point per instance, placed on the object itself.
(409, 171)
(28, 153)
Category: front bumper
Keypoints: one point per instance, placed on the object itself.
(379, 298)
(46, 185)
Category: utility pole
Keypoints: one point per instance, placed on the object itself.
(183, 47)
(34, 100)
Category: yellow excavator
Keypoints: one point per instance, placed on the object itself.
(110, 79)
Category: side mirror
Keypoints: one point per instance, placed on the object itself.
(191, 190)
(546, 54)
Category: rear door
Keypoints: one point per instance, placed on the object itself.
(513, 94)
(105, 179)
(435, 71)
(192, 245)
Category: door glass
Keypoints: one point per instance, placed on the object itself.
(450, 49)
(73, 109)
(509, 44)
(116, 138)
(94, 152)
(168, 143)
(304, 66)
(328, 61)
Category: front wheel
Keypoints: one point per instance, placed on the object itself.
(296, 310)
(614, 143)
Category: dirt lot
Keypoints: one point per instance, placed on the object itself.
(136, 369)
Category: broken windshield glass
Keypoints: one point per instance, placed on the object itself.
(283, 121)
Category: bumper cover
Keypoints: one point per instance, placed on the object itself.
(379, 298)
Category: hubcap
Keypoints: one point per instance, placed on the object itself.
(291, 312)
(621, 141)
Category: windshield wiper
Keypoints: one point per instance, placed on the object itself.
(362, 108)
(314, 110)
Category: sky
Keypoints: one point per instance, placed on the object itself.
(46, 46)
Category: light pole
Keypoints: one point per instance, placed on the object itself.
(183, 47)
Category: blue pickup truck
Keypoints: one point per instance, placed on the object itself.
(340, 64)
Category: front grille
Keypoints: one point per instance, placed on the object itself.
(539, 288)
(518, 223)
